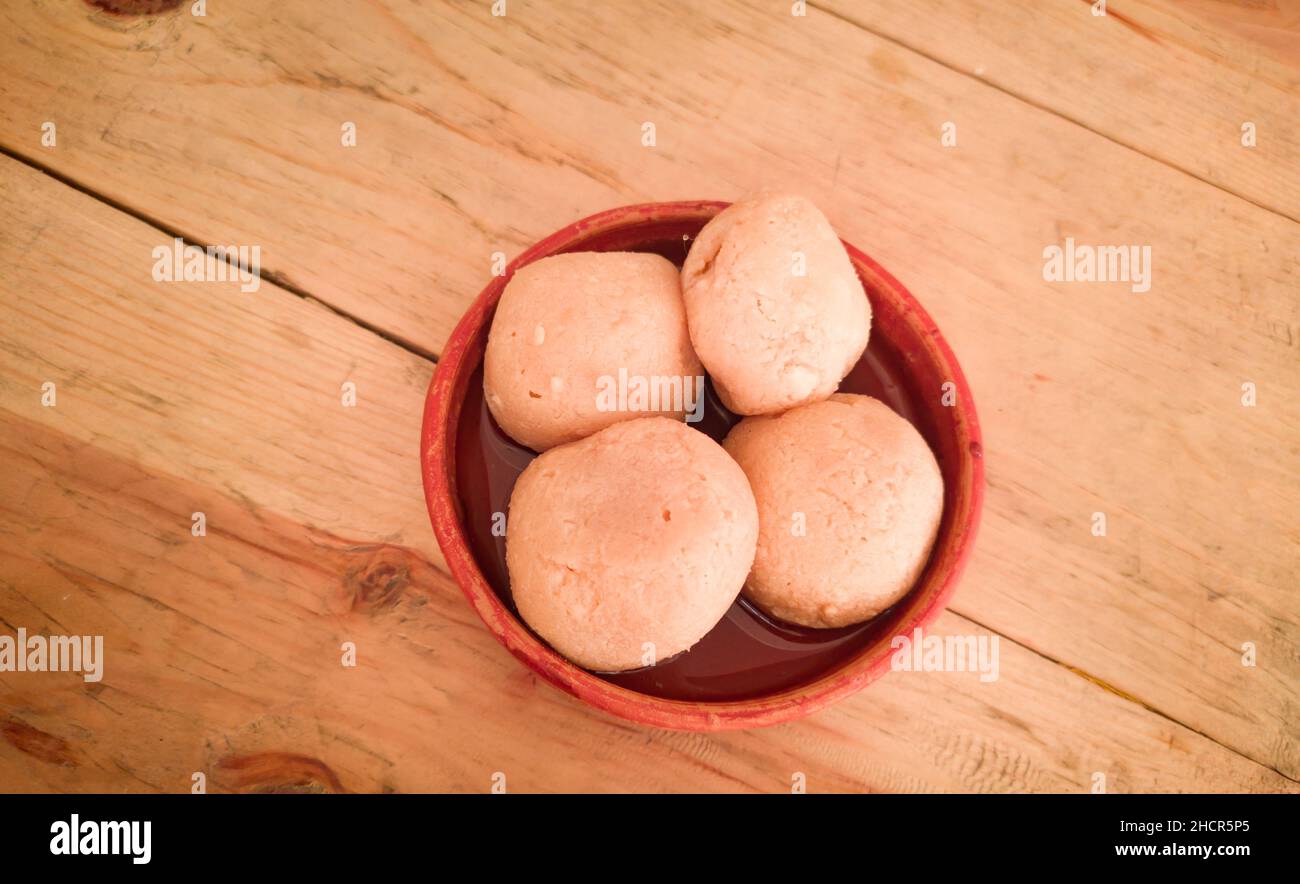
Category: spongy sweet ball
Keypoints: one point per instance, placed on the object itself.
(776, 312)
(849, 502)
(564, 328)
(627, 547)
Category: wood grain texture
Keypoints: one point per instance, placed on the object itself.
(477, 134)
(1171, 79)
(223, 651)
(1273, 25)
(498, 130)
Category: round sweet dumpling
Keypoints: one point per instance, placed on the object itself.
(627, 547)
(849, 501)
(776, 312)
(573, 337)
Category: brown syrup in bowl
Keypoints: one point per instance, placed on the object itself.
(747, 654)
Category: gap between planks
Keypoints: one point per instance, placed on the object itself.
(225, 255)
(275, 279)
(1123, 695)
(1045, 108)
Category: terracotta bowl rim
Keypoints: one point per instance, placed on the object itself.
(437, 456)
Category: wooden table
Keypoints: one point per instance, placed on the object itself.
(1121, 655)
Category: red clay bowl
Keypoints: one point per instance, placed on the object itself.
(916, 364)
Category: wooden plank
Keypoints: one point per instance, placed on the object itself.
(223, 652)
(1168, 78)
(478, 134)
(1273, 27)
(223, 658)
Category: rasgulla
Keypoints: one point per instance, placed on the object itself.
(566, 326)
(776, 312)
(627, 547)
(849, 502)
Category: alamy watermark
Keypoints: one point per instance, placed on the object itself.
(947, 653)
(653, 393)
(1085, 263)
(183, 263)
(54, 653)
(78, 837)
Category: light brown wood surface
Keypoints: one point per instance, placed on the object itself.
(1120, 654)
(1166, 78)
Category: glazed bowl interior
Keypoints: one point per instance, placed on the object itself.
(750, 670)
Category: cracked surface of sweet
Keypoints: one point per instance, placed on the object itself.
(849, 502)
(640, 534)
(775, 310)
